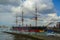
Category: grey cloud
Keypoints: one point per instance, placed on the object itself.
(10, 2)
(5, 8)
(47, 11)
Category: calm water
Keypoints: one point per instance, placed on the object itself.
(4, 36)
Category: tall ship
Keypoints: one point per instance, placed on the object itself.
(29, 28)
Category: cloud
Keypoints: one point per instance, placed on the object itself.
(7, 19)
(46, 10)
(44, 7)
(5, 8)
(10, 2)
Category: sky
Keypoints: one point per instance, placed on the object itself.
(57, 6)
(48, 11)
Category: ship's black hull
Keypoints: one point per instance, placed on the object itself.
(30, 29)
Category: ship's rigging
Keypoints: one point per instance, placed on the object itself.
(35, 17)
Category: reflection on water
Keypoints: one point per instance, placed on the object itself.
(5, 36)
(20, 38)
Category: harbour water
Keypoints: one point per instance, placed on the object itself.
(6, 36)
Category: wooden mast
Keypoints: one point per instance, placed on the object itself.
(22, 19)
(22, 15)
(36, 15)
(16, 20)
